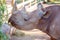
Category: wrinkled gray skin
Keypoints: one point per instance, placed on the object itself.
(21, 20)
(49, 23)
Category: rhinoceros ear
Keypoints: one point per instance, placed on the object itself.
(40, 6)
(47, 14)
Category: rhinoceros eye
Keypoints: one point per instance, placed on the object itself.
(25, 19)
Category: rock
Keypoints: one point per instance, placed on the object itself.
(6, 28)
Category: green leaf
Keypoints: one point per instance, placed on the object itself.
(3, 36)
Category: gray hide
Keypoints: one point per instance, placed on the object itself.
(21, 20)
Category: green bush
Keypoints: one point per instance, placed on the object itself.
(3, 36)
(18, 1)
(2, 10)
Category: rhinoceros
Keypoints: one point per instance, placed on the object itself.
(49, 23)
(45, 19)
(21, 19)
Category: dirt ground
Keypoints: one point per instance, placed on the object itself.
(32, 35)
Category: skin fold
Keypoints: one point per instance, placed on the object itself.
(47, 20)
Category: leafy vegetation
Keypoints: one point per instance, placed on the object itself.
(3, 19)
(53, 2)
(20, 1)
(2, 11)
(3, 36)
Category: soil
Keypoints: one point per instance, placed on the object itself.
(31, 35)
